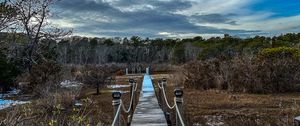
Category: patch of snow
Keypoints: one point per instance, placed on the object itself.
(11, 93)
(70, 84)
(214, 120)
(14, 91)
(78, 103)
(297, 118)
(123, 92)
(117, 86)
(8, 103)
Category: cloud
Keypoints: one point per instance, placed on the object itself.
(166, 18)
(217, 6)
(213, 18)
(164, 33)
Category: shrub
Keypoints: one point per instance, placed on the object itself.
(279, 52)
(200, 75)
(244, 74)
(46, 74)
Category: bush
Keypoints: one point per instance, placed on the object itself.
(44, 75)
(244, 74)
(279, 52)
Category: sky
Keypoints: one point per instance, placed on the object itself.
(177, 18)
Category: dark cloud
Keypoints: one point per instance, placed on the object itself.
(173, 5)
(168, 6)
(107, 19)
(214, 18)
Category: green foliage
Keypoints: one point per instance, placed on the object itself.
(8, 73)
(109, 42)
(179, 53)
(48, 50)
(230, 46)
(169, 43)
(136, 40)
(45, 74)
(6, 11)
(216, 46)
(93, 43)
(279, 52)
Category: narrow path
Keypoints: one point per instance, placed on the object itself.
(148, 112)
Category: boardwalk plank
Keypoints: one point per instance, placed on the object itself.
(148, 112)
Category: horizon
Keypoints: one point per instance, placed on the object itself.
(164, 38)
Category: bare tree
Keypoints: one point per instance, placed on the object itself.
(32, 20)
(96, 75)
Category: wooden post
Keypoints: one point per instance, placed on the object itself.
(178, 93)
(135, 84)
(139, 70)
(164, 85)
(131, 83)
(116, 103)
(98, 88)
(168, 117)
(159, 93)
(147, 71)
(132, 70)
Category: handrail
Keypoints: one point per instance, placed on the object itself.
(121, 105)
(165, 97)
(161, 87)
(178, 113)
(131, 101)
(116, 116)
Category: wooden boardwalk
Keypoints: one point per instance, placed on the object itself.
(148, 112)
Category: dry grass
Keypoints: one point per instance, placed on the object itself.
(219, 107)
(56, 108)
(210, 107)
(104, 101)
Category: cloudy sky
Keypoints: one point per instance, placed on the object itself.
(178, 18)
